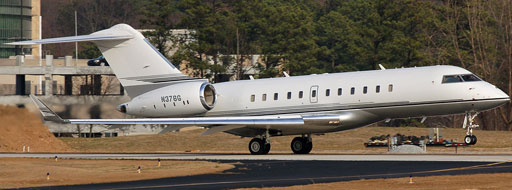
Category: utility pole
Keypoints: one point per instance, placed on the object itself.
(239, 69)
(76, 43)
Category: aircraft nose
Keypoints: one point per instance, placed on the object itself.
(500, 94)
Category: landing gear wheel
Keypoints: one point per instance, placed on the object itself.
(257, 146)
(474, 139)
(470, 139)
(267, 148)
(301, 145)
(469, 119)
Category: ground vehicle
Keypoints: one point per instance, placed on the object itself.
(97, 61)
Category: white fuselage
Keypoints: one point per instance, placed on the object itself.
(402, 93)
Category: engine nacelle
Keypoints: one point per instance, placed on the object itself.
(182, 99)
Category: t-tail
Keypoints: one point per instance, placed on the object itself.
(138, 65)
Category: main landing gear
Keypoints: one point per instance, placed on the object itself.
(302, 145)
(470, 139)
(261, 145)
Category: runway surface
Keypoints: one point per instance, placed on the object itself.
(288, 170)
(308, 157)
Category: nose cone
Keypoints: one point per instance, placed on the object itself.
(121, 108)
(499, 94)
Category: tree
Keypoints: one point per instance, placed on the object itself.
(161, 16)
(212, 34)
(94, 15)
(287, 39)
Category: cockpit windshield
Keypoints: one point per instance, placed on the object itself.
(470, 77)
(460, 78)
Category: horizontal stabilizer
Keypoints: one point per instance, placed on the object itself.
(73, 39)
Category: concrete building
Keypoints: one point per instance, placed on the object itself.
(19, 20)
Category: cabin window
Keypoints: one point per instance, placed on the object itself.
(339, 91)
(451, 79)
(289, 95)
(301, 94)
(276, 96)
(365, 89)
(253, 97)
(352, 91)
(390, 88)
(313, 94)
(470, 77)
(264, 97)
(328, 92)
(377, 89)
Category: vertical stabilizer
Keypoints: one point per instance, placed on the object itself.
(136, 63)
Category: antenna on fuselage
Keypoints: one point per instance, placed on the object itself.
(285, 74)
(382, 67)
(251, 77)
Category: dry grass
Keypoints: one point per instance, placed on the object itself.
(25, 172)
(19, 127)
(341, 142)
(463, 182)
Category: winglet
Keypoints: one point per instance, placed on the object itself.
(48, 114)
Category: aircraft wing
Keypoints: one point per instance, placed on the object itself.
(49, 115)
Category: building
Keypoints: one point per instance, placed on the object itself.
(19, 20)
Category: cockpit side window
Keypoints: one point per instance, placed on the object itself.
(451, 79)
(470, 77)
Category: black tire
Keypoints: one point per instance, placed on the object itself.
(309, 147)
(301, 145)
(267, 148)
(468, 139)
(473, 139)
(257, 146)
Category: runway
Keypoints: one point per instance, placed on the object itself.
(277, 170)
(308, 157)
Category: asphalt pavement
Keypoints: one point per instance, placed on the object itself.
(279, 173)
(281, 170)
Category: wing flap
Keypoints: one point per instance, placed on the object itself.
(220, 129)
(199, 121)
(73, 39)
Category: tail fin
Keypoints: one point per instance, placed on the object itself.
(136, 63)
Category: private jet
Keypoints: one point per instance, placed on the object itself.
(294, 105)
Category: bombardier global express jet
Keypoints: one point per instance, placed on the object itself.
(263, 108)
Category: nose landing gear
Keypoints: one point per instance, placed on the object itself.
(469, 117)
